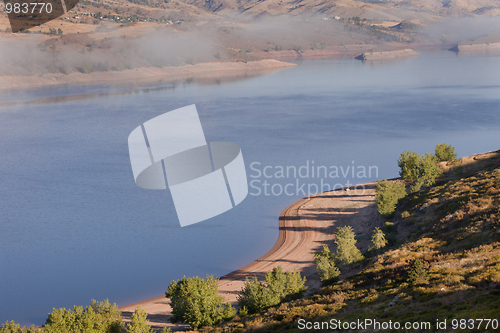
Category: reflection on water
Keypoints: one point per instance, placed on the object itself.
(12, 98)
(80, 97)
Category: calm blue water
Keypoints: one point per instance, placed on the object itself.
(74, 226)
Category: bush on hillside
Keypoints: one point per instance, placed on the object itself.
(139, 322)
(197, 302)
(445, 152)
(279, 286)
(12, 327)
(409, 165)
(97, 317)
(347, 252)
(326, 265)
(387, 195)
(378, 240)
(418, 169)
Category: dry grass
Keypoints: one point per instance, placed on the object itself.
(457, 237)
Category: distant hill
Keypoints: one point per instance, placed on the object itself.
(371, 9)
(102, 35)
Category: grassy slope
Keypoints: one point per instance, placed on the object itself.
(453, 227)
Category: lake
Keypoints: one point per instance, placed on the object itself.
(75, 227)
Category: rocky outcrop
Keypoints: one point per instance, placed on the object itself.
(387, 55)
(488, 45)
(465, 48)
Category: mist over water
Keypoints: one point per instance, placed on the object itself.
(74, 225)
(455, 30)
(210, 41)
(35, 54)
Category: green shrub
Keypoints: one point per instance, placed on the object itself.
(418, 169)
(255, 296)
(286, 285)
(279, 286)
(16, 328)
(428, 171)
(97, 317)
(326, 265)
(12, 327)
(108, 315)
(387, 195)
(197, 302)
(347, 252)
(445, 152)
(408, 165)
(139, 322)
(378, 240)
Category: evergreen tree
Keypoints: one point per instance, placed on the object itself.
(139, 322)
(347, 252)
(408, 164)
(417, 273)
(326, 265)
(387, 195)
(378, 240)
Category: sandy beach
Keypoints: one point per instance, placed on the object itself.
(305, 226)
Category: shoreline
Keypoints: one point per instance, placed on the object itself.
(270, 61)
(143, 74)
(304, 227)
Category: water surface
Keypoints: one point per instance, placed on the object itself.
(74, 226)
